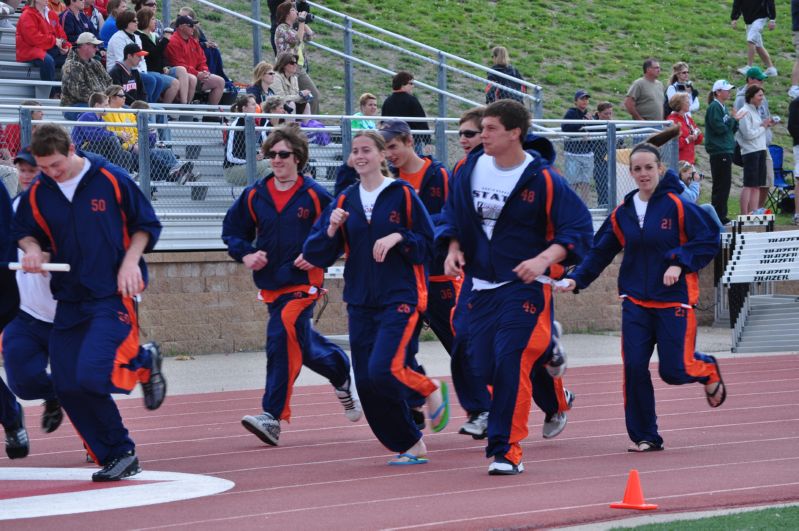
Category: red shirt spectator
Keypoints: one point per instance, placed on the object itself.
(35, 35)
(186, 52)
(102, 7)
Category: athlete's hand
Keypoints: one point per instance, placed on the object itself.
(454, 262)
(734, 23)
(571, 287)
(129, 279)
(302, 263)
(255, 261)
(672, 275)
(337, 218)
(530, 269)
(384, 245)
(32, 261)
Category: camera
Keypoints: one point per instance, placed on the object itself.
(304, 6)
(683, 87)
(776, 119)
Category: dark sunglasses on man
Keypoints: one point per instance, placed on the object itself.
(282, 154)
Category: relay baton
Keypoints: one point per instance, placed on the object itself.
(47, 266)
(544, 279)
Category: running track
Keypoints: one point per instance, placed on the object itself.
(329, 473)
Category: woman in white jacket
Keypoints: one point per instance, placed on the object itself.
(751, 136)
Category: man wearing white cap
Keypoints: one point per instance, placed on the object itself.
(82, 75)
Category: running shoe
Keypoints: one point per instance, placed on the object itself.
(476, 426)
(17, 442)
(352, 406)
(118, 468)
(155, 388)
(264, 426)
(503, 467)
(556, 366)
(52, 416)
(554, 424)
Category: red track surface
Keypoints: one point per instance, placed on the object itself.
(329, 473)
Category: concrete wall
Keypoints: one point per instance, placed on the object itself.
(202, 302)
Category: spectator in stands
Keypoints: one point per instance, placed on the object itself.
(579, 152)
(127, 76)
(40, 42)
(100, 5)
(96, 16)
(9, 7)
(287, 39)
(755, 77)
(274, 105)
(793, 129)
(159, 87)
(184, 50)
(403, 103)
(10, 136)
(101, 140)
(604, 111)
(82, 75)
(793, 92)
(235, 163)
(155, 46)
(469, 128)
(115, 8)
(757, 14)
(751, 136)
(680, 82)
(163, 164)
(644, 99)
(690, 135)
(56, 6)
(263, 75)
(151, 5)
(213, 56)
(501, 60)
(368, 105)
(286, 85)
(273, 5)
(691, 181)
(75, 21)
(720, 144)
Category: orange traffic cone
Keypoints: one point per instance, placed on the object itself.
(633, 495)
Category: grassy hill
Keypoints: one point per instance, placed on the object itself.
(562, 45)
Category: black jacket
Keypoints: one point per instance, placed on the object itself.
(130, 81)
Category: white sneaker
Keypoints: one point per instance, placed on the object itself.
(771, 71)
(476, 426)
(793, 92)
(264, 426)
(350, 401)
(503, 467)
(554, 425)
(743, 69)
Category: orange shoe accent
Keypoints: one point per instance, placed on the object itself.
(633, 495)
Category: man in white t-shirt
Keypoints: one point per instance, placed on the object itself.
(26, 338)
(509, 219)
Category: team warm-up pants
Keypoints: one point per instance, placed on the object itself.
(25, 352)
(470, 387)
(510, 331)
(9, 408)
(378, 342)
(673, 330)
(94, 351)
(291, 342)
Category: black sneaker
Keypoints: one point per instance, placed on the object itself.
(118, 468)
(418, 418)
(503, 467)
(155, 389)
(52, 416)
(17, 443)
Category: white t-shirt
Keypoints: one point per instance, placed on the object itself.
(68, 187)
(35, 297)
(640, 209)
(491, 187)
(368, 198)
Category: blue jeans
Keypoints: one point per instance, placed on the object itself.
(52, 59)
(155, 85)
(73, 116)
(161, 161)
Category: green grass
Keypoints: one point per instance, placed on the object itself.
(766, 519)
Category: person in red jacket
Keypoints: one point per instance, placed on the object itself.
(185, 50)
(41, 41)
(690, 134)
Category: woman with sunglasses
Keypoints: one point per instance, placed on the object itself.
(681, 82)
(387, 235)
(285, 84)
(235, 164)
(263, 76)
(289, 40)
(277, 213)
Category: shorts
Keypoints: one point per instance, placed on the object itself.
(755, 169)
(769, 171)
(796, 42)
(796, 160)
(754, 32)
(579, 168)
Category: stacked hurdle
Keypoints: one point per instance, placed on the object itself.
(754, 261)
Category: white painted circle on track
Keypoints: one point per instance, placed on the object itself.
(168, 487)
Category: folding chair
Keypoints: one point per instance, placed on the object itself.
(783, 180)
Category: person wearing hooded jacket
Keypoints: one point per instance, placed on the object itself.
(509, 219)
(666, 241)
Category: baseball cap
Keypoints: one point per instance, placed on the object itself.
(391, 129)
(87, 37)
(134, 49)
(580, 94)
(755, 73)
(25, 155)
(183, 19)
(722, 84)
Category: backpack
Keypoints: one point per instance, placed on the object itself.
(319, 138)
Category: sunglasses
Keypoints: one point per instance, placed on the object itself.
(119, 95)
(468, 133)
(282, 154)
(150, 4)
(292, 62)
(270, 73)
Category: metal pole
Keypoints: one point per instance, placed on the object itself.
(166, 12)
(251, 148)
(348, 74)
(143, 128)
(611, 166)
(441, 126)
(256, 32)
(25, 127)
(538, 105)
(346, 138)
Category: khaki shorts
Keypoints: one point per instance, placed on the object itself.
(769, 171)
(754, 32)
